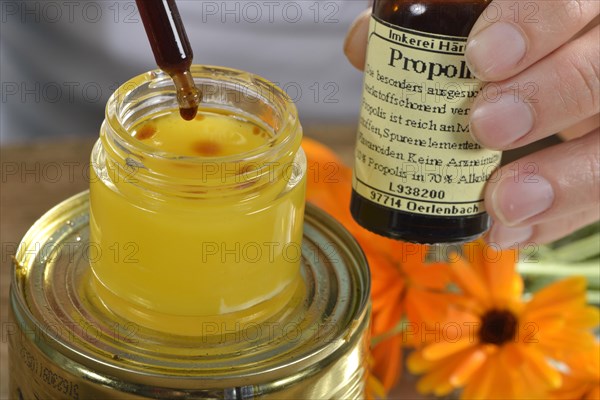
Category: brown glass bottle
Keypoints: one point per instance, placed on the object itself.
(453, 18)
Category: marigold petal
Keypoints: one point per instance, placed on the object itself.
(511, 294)
(594, 394)
(431, 276)
(458, 323)
(442, 349)
(382, 273)
(524, 383)
(561, 344)
(382, 283)
(500, 380)
(374, 388)
(411, 254)
(559, 292)
(382, 267)
(538, 363)
(501, 277)
(469, 281)
(473, 305)
(443, 389)
(437, 380)
(390, 297)
(463, 316)
(387, 357)
(480, 383)
(571, 389)
(587, 318)
(473, 252)
(423, 306)
(417, 364)
(512, 355)
(562, 311)
(386, 319)
(468, 367)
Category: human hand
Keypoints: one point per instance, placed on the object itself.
(541, 60)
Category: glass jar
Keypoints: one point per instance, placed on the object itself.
(177, 239)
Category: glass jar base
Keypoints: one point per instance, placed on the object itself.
(201, 325)
(316, 347)
(416, 228)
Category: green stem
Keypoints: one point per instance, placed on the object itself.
(590, 270)
(578, 250)
(399, 328)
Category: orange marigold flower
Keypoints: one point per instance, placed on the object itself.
(402, 283)
(582, 380)
(387, 360)
(405, 284)
(496, 345)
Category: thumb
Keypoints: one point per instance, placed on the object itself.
(355, 45)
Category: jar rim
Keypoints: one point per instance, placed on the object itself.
(120, 107)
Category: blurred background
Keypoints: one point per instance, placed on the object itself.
(61, 60)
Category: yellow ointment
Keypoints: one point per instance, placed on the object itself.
(205, 225)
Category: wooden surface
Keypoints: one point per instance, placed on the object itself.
(33, 179)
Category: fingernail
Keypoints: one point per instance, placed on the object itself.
(495, 51)
(515, 202)
(499, 124)
(507, 237)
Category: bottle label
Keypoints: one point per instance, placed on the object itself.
(414, 152)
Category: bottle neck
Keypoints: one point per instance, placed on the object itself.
(443, 17)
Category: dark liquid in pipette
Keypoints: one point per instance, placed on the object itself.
(188, 113)
(172, 50)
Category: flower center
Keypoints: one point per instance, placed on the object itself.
(498, 327)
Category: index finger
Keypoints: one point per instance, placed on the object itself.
(512, 35)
